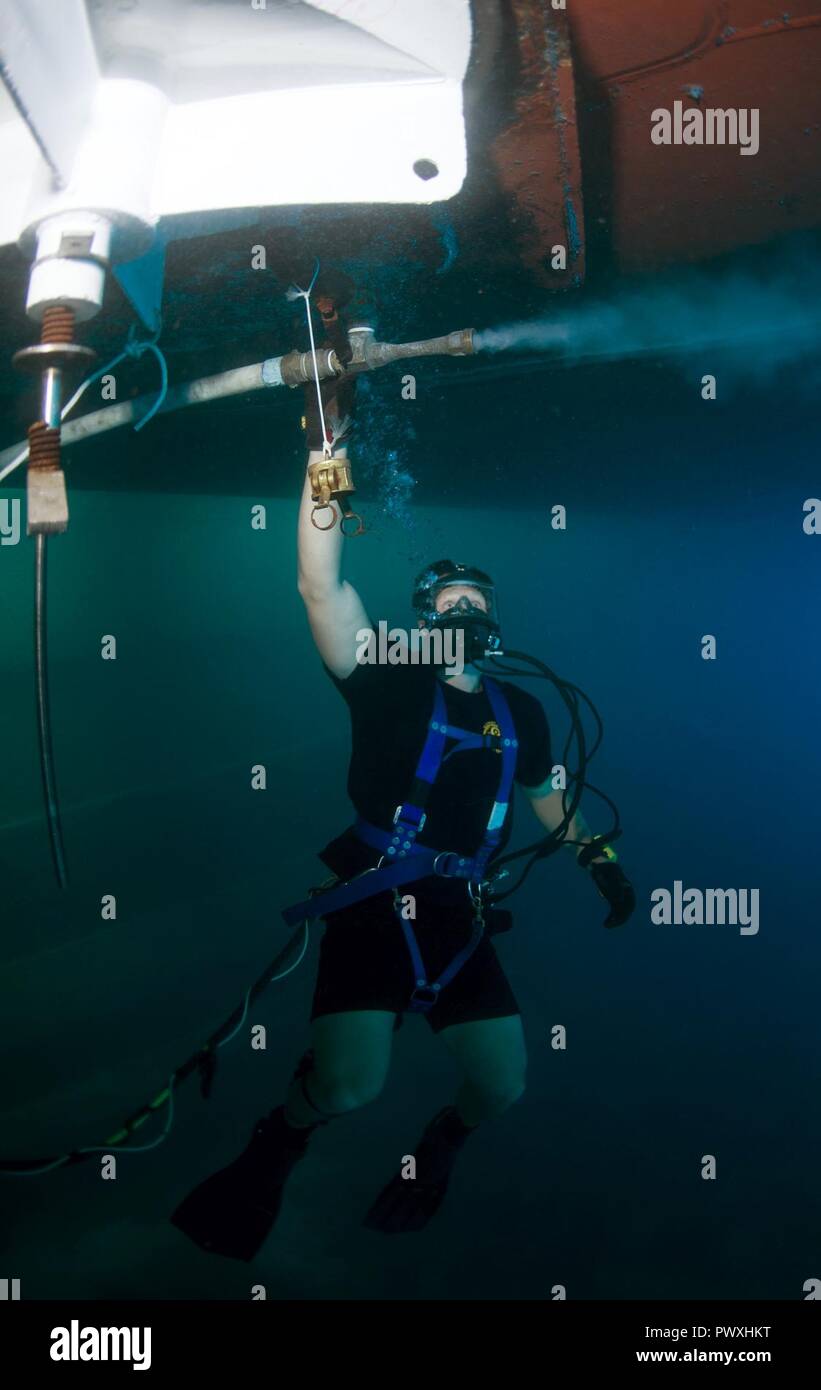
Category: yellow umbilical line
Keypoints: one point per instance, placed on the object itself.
(204, 1060)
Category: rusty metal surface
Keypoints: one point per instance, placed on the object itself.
(664, 204)
(44, 446)
(536, 159)
(576, 163)
(57, 324)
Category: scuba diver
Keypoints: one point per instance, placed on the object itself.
(436, 751)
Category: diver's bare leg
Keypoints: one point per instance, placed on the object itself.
(352, 1053)
(232, 1212)
(493, 1057)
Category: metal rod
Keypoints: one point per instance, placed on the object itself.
(51, 397)
(43, 717)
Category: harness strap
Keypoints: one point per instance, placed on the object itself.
(365, 885)
(498, 813)
(406, 861)
(446, 863)
(409, 819)
(425, 992)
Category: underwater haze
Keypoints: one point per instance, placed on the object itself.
(685, 518)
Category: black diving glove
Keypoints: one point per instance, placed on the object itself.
(617, 890)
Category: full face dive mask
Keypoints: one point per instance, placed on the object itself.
(475, 613)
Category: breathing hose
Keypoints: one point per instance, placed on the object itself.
(549, 844)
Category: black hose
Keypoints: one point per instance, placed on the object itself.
(549, 844)
(43, 719)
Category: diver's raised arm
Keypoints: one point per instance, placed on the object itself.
(335, 611)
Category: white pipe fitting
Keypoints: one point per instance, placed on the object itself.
(105, 212)
(73, 251)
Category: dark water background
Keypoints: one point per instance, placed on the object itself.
(684, 518)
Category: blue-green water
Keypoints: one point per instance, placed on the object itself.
(682, 1040)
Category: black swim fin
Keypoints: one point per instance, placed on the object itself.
(232, 1212)
(407, 1204)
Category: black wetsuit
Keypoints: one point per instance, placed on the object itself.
(364, 959)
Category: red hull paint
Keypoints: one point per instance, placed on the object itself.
(578, 158)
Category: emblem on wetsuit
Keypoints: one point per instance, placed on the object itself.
(491, 727)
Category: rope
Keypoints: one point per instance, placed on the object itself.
(294, 292)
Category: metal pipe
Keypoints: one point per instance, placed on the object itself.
(369, 354)
(298, 367)
(293, 369)
(43, 716)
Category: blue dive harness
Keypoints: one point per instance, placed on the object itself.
(404, 861)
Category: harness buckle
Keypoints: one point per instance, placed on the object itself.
(398, 812)
(476, 893)
(423, 998)
(443, 873)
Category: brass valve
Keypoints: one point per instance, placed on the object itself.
(331, 480)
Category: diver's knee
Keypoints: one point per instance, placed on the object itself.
(516, 1093)
(501, 1098)
(341, 1093)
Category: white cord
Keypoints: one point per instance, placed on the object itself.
(294, 293)
(272, 980)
